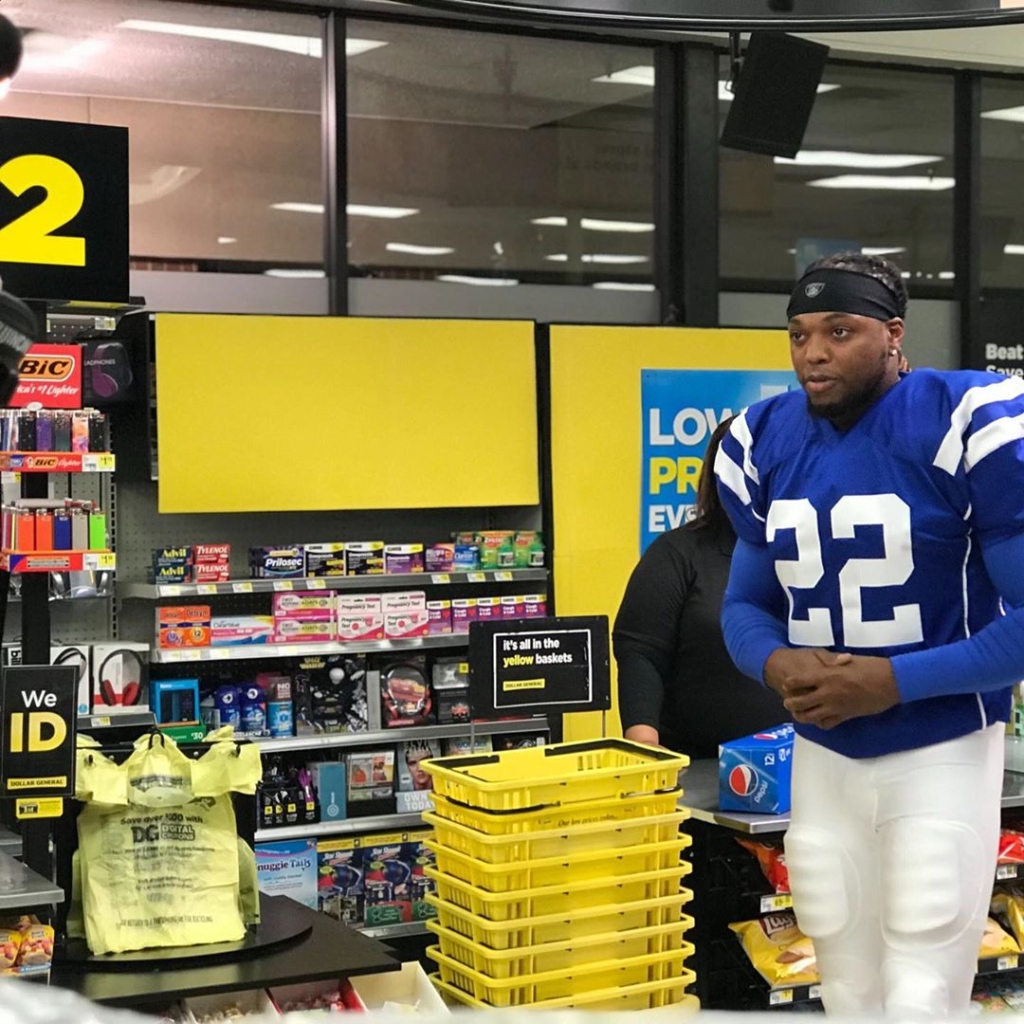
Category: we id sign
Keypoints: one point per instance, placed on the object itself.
(681, 409)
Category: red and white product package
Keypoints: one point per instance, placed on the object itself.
(405, 615)
(360, 617)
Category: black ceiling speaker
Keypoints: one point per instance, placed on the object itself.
(10, 49)
(774, 94)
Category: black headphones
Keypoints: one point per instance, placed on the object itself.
(69, 654)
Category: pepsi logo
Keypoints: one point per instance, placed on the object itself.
(743, 780)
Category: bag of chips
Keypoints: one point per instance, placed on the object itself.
(1008, 905)
(996, 942)
(779, 951)
(1011, 847)
(772, 860)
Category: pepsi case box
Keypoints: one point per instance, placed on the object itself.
(754, 772)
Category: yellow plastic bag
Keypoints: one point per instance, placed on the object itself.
(97, 778)
(164, 869)
(780, 952)
(248, 884)
(158, 773)
(226, 766)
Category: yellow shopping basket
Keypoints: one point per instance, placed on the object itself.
(556, 774)
(583, 922)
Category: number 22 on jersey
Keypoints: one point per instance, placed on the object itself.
(806, 571)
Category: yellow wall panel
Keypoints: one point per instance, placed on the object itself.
(275, 413)
(596, 448)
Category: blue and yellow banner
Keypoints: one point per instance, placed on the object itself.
(681, 409)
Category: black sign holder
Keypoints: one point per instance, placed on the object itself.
(551, 666)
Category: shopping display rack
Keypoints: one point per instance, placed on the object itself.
(559, 878)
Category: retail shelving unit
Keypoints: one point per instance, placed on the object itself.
(242, 593)
(35, 567)
(256, 652)
(728, 886)
(393, 581)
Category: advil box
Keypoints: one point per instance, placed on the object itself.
(754, 772)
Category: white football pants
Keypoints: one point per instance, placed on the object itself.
(891, 863)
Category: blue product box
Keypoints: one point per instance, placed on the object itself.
(755, 772)
(289, 869)
(330, 783)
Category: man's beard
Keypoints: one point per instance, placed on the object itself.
(852, 406)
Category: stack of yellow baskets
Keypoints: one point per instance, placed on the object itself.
(559, 878)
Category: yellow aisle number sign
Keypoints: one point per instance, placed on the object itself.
(29, 238)
(64, 210)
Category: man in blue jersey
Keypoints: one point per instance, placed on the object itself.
(880, 518)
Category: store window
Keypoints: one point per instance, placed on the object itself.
(223, 112)
(875, 172)
(479, 155)
(1002, 201)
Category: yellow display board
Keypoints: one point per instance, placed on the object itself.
(596, 448)
(276, 413)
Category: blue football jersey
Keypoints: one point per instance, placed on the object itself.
(876, 532)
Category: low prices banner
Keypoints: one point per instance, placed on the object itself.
(50, 377)
(681, 409)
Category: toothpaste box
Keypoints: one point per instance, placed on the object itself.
(439, 618)
(241, 630)
(300, 631)
(463, 613)
(535, 606)
(277, 563)
(403, 558)
(325, 560)
(364, 558)
(405, 615)
(754, 772)
(513, 606)
(308, 606)
(360, 617)
(488, 609)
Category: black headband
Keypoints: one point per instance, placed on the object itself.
(842, 291)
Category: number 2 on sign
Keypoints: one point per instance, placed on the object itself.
(30, 238)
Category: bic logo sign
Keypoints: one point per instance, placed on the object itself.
(54, 370)
(39, 704)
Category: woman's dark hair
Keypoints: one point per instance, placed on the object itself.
(870, 266)
(709, 508)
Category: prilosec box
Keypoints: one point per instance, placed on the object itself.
(754, 773)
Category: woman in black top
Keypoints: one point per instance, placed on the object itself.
(678, 686)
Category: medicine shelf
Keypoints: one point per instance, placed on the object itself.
(259, 651)
(57, 561)
(57, 462)
(30, 890)
(155, 591)
(346, 826)
(403, 734)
